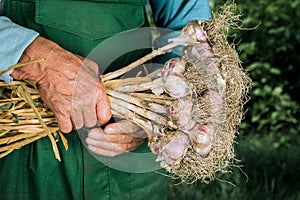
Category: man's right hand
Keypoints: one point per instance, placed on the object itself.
(68, 85)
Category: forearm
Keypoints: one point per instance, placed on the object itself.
(13, 41)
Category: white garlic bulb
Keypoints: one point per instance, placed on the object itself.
(202, 140)
(173, 152)
(176, 86)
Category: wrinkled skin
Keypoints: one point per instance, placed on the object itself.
(116, 138)
(68, 84)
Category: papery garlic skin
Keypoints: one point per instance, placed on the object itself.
(156, 86)
(154, 147)
(176, 86)
(181, 113)
(198, 52)
(172, 77)
(195, 31)
(203, 150)
(185, 122)
(173, 152)
(175, 66)
(155, 143)
(202, 139)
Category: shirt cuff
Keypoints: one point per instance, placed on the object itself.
(14, 39)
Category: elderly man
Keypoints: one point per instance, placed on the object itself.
(65, 32)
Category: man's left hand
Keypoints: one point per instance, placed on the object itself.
(115, 139)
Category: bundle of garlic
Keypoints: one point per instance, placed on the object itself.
(191, 109)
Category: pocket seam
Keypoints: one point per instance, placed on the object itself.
(43, 21)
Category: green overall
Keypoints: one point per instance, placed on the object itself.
(32, 172)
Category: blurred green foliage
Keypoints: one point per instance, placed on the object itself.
(268, 145)
(269, 52)
(267, 171)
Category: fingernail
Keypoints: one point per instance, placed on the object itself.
(109, 130)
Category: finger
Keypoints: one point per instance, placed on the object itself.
(140, 134)
(59, 105)
(98, 135)
(108, 146)
(127, 127)
(123, 126)
(64, 123)
(105, 145)
(102, 106)
(103, 152)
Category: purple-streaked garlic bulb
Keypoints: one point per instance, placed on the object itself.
(191, 34)
(185, 121)
(203, 49)
(174, 66)
(197, 52)
(202, 139)
(195, 31)
(177, 86)
(180, 113)
(172, 153)
(173, 82)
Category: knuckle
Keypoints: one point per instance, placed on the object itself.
(123, 138)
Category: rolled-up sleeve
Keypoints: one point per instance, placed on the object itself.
(13, 41)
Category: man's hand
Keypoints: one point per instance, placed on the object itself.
(67, 84)
(115, 139)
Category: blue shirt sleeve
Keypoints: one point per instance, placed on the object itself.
(13, 41)
(175, 14)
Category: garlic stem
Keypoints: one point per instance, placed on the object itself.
(126, 81)
(154, 53)
(149, 127)
(157, 108)
(126, 107)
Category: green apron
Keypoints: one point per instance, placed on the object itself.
(32, 172)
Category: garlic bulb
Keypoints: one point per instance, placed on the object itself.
(202, 140)
(176, 86)
(181, 113)
(175, 66)
(195, 31)
(197, 52)
(173, 152)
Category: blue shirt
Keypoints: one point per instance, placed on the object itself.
(170, 14)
